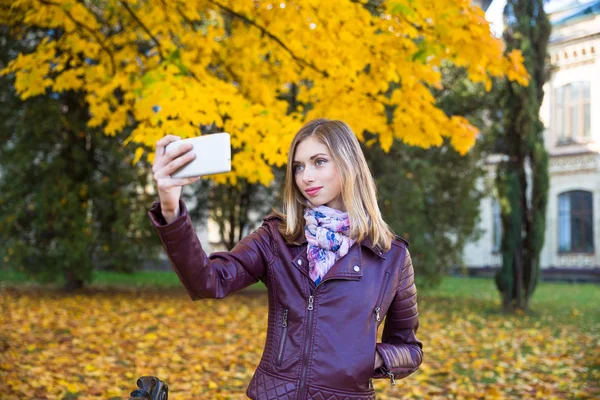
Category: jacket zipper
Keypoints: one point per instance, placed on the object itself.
(390, 375)
(380, 299)
(283, 335)
(302, 383)
(378, 318)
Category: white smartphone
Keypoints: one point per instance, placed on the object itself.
(213, 155)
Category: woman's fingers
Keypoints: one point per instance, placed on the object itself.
(174, 165)
(185, 181)
(163, 142)
(164, 158)
(159, 155)
(167, 182)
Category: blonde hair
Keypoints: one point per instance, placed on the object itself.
(359, 192)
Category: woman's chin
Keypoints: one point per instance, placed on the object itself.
(315, 202)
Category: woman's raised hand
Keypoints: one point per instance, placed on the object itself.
(169, 189)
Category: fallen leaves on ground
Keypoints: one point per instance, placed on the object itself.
(96, 344)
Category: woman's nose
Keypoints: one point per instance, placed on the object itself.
(308, 176)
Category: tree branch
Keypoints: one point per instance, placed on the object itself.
(273, 37)
(419, 28)
(88, 29)
(145, 28)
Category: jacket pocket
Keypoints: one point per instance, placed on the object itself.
(386, 278)
(284, 324)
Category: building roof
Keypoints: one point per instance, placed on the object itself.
(485, 4)
(576, 12)
(560, 12)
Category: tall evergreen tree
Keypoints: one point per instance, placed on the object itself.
(70, 200)
(522, 177)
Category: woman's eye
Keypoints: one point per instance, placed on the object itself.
(320, 161)
(297, 168)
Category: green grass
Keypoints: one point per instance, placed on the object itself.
(141, 279)
(556, 294)
(558, 302)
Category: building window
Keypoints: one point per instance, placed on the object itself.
(575, 222)
(496, 226)
(572, 112)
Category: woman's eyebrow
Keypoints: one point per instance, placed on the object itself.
(312, 158)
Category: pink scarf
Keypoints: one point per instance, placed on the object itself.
(326, 231)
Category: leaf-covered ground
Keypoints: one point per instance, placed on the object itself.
(96, 344)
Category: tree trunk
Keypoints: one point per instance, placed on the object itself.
(72, 282)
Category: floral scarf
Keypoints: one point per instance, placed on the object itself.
(326, 231)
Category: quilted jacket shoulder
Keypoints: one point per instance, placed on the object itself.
(400, 241)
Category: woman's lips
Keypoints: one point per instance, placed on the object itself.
(313, 192)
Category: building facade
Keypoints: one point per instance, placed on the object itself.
(571, 115)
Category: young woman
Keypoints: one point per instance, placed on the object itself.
(332, 266)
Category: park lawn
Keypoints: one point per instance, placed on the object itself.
(106, 279)
(94, 344)
(561, 302)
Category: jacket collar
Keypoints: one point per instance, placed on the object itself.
(302, 241)
(365, 243)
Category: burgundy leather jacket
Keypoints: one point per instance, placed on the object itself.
(321, 340)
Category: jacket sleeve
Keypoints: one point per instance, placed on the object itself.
(219, 274)
(400, 349)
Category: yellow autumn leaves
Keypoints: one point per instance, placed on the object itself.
(167, 66)
(95, 345)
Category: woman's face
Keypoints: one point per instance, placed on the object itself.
(316, 174)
